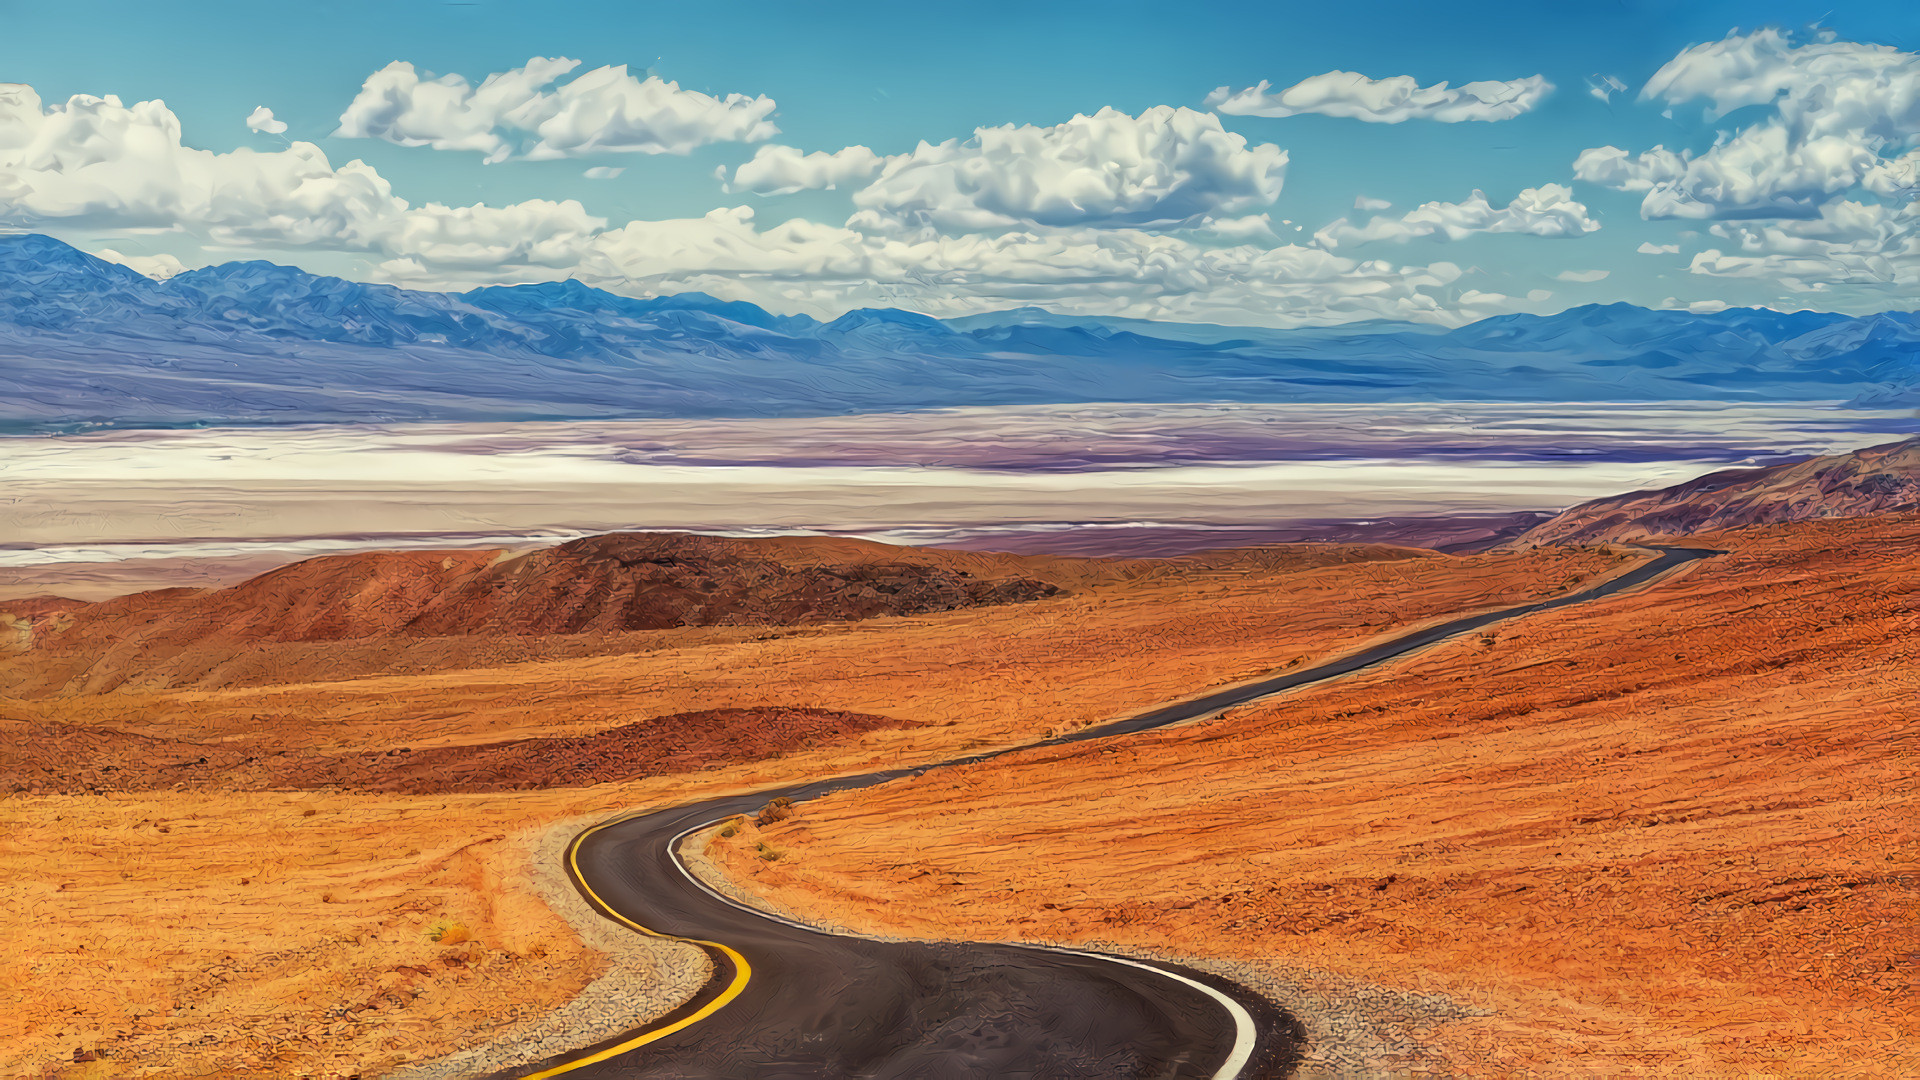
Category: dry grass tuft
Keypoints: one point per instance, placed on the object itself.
(774, 812)
(448, 932)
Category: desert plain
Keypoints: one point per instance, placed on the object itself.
(1667, 832)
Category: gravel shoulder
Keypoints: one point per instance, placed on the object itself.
(645, 977)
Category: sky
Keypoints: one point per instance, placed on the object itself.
(1266, 164)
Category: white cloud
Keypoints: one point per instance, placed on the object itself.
(823, 270)
(521, 114)
(1697, 307)
(1604, 87)
(782, 170)
(261, 120)
(1371, 205)
(1842, 115)
(1647, 247)
(535, 233)
(1582, 277)
(1385, 101)
(604, 172)
(1548, 210)
(95, 163)
(158, 267)
(1250, 227)
(1790, 191)
(1763, 170)
(1851, 243)
(1478, 304)
(1166, 167)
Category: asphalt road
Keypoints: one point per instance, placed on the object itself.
(790, 1002)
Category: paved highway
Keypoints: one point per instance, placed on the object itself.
(789, 1002)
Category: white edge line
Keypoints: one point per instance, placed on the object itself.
(1244, 1035)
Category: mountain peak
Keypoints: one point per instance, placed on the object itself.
(248, 275)
(860, 318)
(36, 257)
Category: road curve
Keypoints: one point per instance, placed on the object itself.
(788, 1002)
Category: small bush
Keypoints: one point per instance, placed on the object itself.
(448, 932)
(730, 831)
(779, 809)
(769, 854)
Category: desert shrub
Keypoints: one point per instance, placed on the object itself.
(449, 932)
(779, 809)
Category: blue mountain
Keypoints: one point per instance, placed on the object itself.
(84, 341)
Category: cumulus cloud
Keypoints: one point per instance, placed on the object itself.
(1647, 247)
(534, 233)
(1371, 205)
(1166, 167)
(522, 113)
(783, 170)
(1604, 87)
(1842, 115)
(1763, 171)
(604, 172)
(94, 162)
(261, 120)
(1789, 192)
(1548, 210)
(158, 267)
(823, 269)
(1250, 227)
(1582, 277)
(1385, 101)
(1850, 243)
(1696, 307)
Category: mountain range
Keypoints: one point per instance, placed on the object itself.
(88, 342)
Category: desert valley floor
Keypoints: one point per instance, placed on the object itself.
(1669, 831)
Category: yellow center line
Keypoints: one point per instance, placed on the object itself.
(741, 970)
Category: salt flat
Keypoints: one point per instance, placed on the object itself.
(214, 504)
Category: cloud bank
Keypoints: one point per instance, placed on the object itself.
(522, 113)
(1817, 191)
(1392, 100)
(1549, 210)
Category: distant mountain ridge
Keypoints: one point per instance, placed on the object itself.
(85, 341)
(1878, 479)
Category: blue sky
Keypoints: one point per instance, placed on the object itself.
(1025, 217)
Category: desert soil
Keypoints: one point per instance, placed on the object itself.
(1674, 833)
(248, 933)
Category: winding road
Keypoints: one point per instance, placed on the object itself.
(788, 1002)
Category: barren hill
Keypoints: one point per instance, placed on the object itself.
(599, 584)
(1874, 480)
(342, 615)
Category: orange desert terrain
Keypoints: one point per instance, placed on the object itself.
(273, 830)
(1675, 832)
(305, 825)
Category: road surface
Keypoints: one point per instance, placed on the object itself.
(789, 1002)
